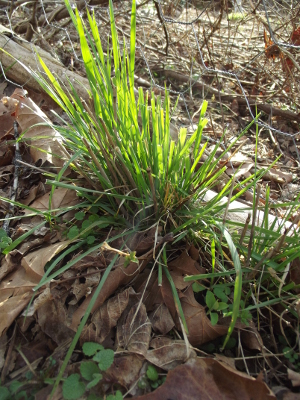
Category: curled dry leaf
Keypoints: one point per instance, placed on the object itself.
(134, 334)
(46, 142)
(52, 319)
(43, 298)
(168, 353)
(199, 325)
(16, 289)
(34, 262)
(109, 313)
(161, 319)
(249, 334)
(276, 175)
(120, 276)
(62, 198)
(125, 370)
(208, 379)
(180, 267)
(82, 289)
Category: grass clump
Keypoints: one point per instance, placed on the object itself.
(132, 176)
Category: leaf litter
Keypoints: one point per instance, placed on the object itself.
(126, 320)
(123, 319)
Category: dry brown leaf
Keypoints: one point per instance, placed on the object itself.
(250, 336)
(207, 379)
(16, 289)
(46, 142)
(168, 353)
(6, 175)
(6, 154)
(52, 319)
(226, 360)
(244, 170)
(161, 319)
(42, 298)
(125, 370)
(7, 266)
(83, 287)
(34, 263)
(7, 126)
(120, 276)
(134, 334)
(11, 308)
(61, 198)
(199, 325)
(33, 192)
(180, 267)
(276, 175)
(16, 284)
(109, 313)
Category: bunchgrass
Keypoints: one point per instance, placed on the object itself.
(134, 176)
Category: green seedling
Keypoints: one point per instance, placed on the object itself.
(151, 379)
(214, 305)
(292, 356)
(13, 392)
(90, 372)
(5, 240)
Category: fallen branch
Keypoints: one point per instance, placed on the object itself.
(252, 100)
(26, 53)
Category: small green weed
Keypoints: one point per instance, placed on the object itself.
(292, 356)
(29, 386)
(13, 392)
(151, 379)
(288, 351)
(214, 304)
(5, 240)
(90, 373)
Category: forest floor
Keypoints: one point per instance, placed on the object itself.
(229, 58)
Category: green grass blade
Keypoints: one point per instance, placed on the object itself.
(82, 324)
(238, 282)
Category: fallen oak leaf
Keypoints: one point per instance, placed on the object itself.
(109, 313)
(46, 142)
(168, 353)
(208, 379)
(120, 276)
(134, 335)
(199, 326)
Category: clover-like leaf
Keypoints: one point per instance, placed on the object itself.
(214, 318)
(88, 369)
(97, 378)
(117, 396)
(210, 300)
(73, 232)
(104, 358)
(91, 348)
(73, 388)
(79, 215)
(90, 239)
